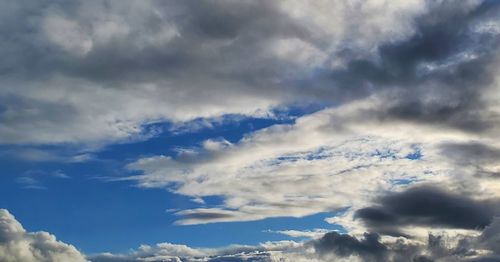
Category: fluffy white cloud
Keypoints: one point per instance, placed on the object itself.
(18, 245)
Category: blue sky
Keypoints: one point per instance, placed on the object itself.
(230, 130)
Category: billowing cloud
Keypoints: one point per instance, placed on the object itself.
(100, 71)
(18, 245)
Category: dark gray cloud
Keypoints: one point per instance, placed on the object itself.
(428, 206)
(436, 248)
(208, 216)
(344, 245)
(437, 76)
(479, 156)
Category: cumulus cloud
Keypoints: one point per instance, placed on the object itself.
(18, 245)
(100, 71)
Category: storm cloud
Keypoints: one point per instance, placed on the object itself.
(345, 245)
(429, 206)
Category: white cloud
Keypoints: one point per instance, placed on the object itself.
(268, 251)
(18, 245)
(335, 158)
(315, 233)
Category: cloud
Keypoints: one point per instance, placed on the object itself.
(332, 246)
(18, 245)
(411, 90)
(437, 247)
(345, 246)
(269, 251)
(100, 72)
(399, 106)
(32, 179)
(296, 169)
(479, 157)
(316, 233)
(428, 206)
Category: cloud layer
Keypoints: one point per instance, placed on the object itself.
(100, 71)
(18, 245)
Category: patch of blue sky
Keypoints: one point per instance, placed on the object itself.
(402, 181)
(385, 153)
(416, 154)
(319, 154)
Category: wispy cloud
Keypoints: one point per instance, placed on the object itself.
(33, 179)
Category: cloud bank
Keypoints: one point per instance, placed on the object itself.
(18, 245)
(101, 71)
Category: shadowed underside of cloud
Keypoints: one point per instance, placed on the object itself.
(429, 206)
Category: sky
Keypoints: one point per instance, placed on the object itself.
(249, 130)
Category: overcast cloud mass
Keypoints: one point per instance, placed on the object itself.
(402, 151)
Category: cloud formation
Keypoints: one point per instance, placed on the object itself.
(411, 88)
(100, 71)
(402, 109)
(430, 206)
(333, 246)
(18, 245)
